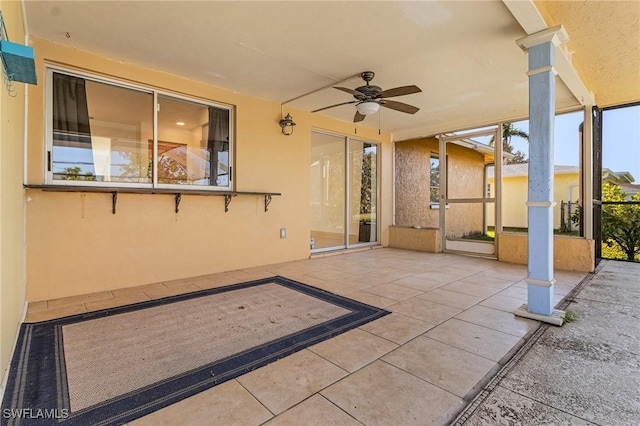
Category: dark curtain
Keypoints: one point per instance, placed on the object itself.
(218, 139)
(70, 112)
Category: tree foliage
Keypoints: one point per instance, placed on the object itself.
(508, 132)
(138, 167)
(621, 222)
(366, 184)
(75, 173)
(519, 157)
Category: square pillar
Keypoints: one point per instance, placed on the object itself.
(541, 47)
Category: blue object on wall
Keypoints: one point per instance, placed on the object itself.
(18, 62)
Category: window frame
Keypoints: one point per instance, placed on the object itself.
(435, 205)
(432, 156)
(141, 88)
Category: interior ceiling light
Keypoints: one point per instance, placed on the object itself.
(180, 123)
(368, 108)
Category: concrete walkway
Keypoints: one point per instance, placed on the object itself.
(586, 372)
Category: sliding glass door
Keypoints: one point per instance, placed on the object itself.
(344, 192)
(363, 192)
(328, 175)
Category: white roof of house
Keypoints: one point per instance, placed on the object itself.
(617, 177)
(512, 170)
(630, 188)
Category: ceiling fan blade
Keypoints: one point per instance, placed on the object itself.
(358, 117)
(350, 91)
(400, 91)
(332, 106)
(399, 106)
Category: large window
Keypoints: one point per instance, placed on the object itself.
(104, 133)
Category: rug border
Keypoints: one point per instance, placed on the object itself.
(146, 400)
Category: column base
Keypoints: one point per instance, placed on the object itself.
(556, 318)
(540, 296)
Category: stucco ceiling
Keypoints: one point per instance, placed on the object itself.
(604, 45)
(462, 54)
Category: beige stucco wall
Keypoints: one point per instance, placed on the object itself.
(514, 198)
(412, 183)
(12, 269)
(76, 245)
(569, 253)
(465, 176)
(422, 239)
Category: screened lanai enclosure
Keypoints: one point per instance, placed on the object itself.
(442, 184)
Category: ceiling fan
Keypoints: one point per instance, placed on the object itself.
(369, 98)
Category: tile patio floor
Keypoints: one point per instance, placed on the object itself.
(451, 328)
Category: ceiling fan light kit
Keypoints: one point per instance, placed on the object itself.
(368, 108)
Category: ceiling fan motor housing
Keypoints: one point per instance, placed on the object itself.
(369, 91)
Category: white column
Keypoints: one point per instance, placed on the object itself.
(541, 47)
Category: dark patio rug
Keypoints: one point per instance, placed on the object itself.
(112, 366)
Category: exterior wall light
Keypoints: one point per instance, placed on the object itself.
(287, 125)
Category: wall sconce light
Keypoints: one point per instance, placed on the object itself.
(287, 125)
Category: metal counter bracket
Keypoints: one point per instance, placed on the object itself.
(178, 195)
(267, 201)
(227, 201)
(114, 201)
(178, 199)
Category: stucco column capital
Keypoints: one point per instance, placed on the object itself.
(555, 35)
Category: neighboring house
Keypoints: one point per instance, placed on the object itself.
(566, 187)
(630, 189)
(623, 179)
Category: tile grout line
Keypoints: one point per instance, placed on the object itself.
(463, 349)
(337, 406)
(486, 327)
(421, 379)
(490, 328)
(273, 415)
(380, 337)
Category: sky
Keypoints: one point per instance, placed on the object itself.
(620, 140)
